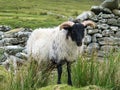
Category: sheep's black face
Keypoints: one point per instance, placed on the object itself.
(76, 32)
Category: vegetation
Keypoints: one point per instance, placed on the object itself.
(87, 74)
(41, 13)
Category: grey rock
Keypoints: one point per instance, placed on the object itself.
(98, 35)
(107, 33)
(22, 34)
(10, 41)
(107, 16)
(21, 55)
(4, 28)
(95, 36)
(94, 39)
(92, 47)
(117, 41)
(95, 19)
(102, 54)
(103, 26)
(2, 57)
(1, 33)
(85, 15)
(108, 48)
(1, 43)
(117, 34)
(116, 12)
(112, 21)
(103, 21)
(107, 41)
(114, 28)
(93, 31)
(87, 39)
(118, 20)
(111, 4)
(12, 50)
(7, 35)
(99, 9)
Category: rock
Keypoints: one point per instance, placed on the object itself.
(85, 15)
(93, 31)
(87, 39)
(108, 48)
(109, 41)
(95, 36)
(103, 21)
(107, 33)
(99, 9)
(118, 20)
(14, 30)
(103, 26)
(98, 35)
(107, 16)
(10, 41)
(95, 18)
(101, 53)
(4, 28)
(1, 54)
(21, 55)
(112, 21)
(106, 41)
(12, 50)
(1, 43)
(22, 34)
(116, 12)
(111, 4)
(117, 34)
(114, 28)
(93, 47)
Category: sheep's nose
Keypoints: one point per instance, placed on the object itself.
(79, 43)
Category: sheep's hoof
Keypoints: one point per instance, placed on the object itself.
(70, 83)
(58, 82)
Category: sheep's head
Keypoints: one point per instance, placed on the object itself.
(76, 30)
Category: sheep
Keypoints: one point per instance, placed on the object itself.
(57, 45)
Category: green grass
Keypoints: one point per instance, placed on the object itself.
(41, 13)
(90, 73)
(103, 73)
(66, 87)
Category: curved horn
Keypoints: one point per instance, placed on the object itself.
(89, 23)
(66, 24)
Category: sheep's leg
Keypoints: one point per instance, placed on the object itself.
(59, 70)
(69, 73)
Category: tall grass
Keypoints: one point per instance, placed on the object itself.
(86, 71)
(27, 78)
(104, 73)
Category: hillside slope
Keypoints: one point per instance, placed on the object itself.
(41, 13)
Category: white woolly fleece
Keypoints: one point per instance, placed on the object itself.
(45, 44)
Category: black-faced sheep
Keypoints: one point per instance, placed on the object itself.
(57, 45)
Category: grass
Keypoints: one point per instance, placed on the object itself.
(90, 73)
(104, 73)
(41, 13)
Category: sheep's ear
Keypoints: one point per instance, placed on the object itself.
(66, 25)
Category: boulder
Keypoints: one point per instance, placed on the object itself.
(111, 4)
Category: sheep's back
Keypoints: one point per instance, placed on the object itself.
(39, 42)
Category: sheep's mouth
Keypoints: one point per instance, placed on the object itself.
(79, 44)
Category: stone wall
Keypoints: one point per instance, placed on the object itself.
(103, 39)
(12, 42)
